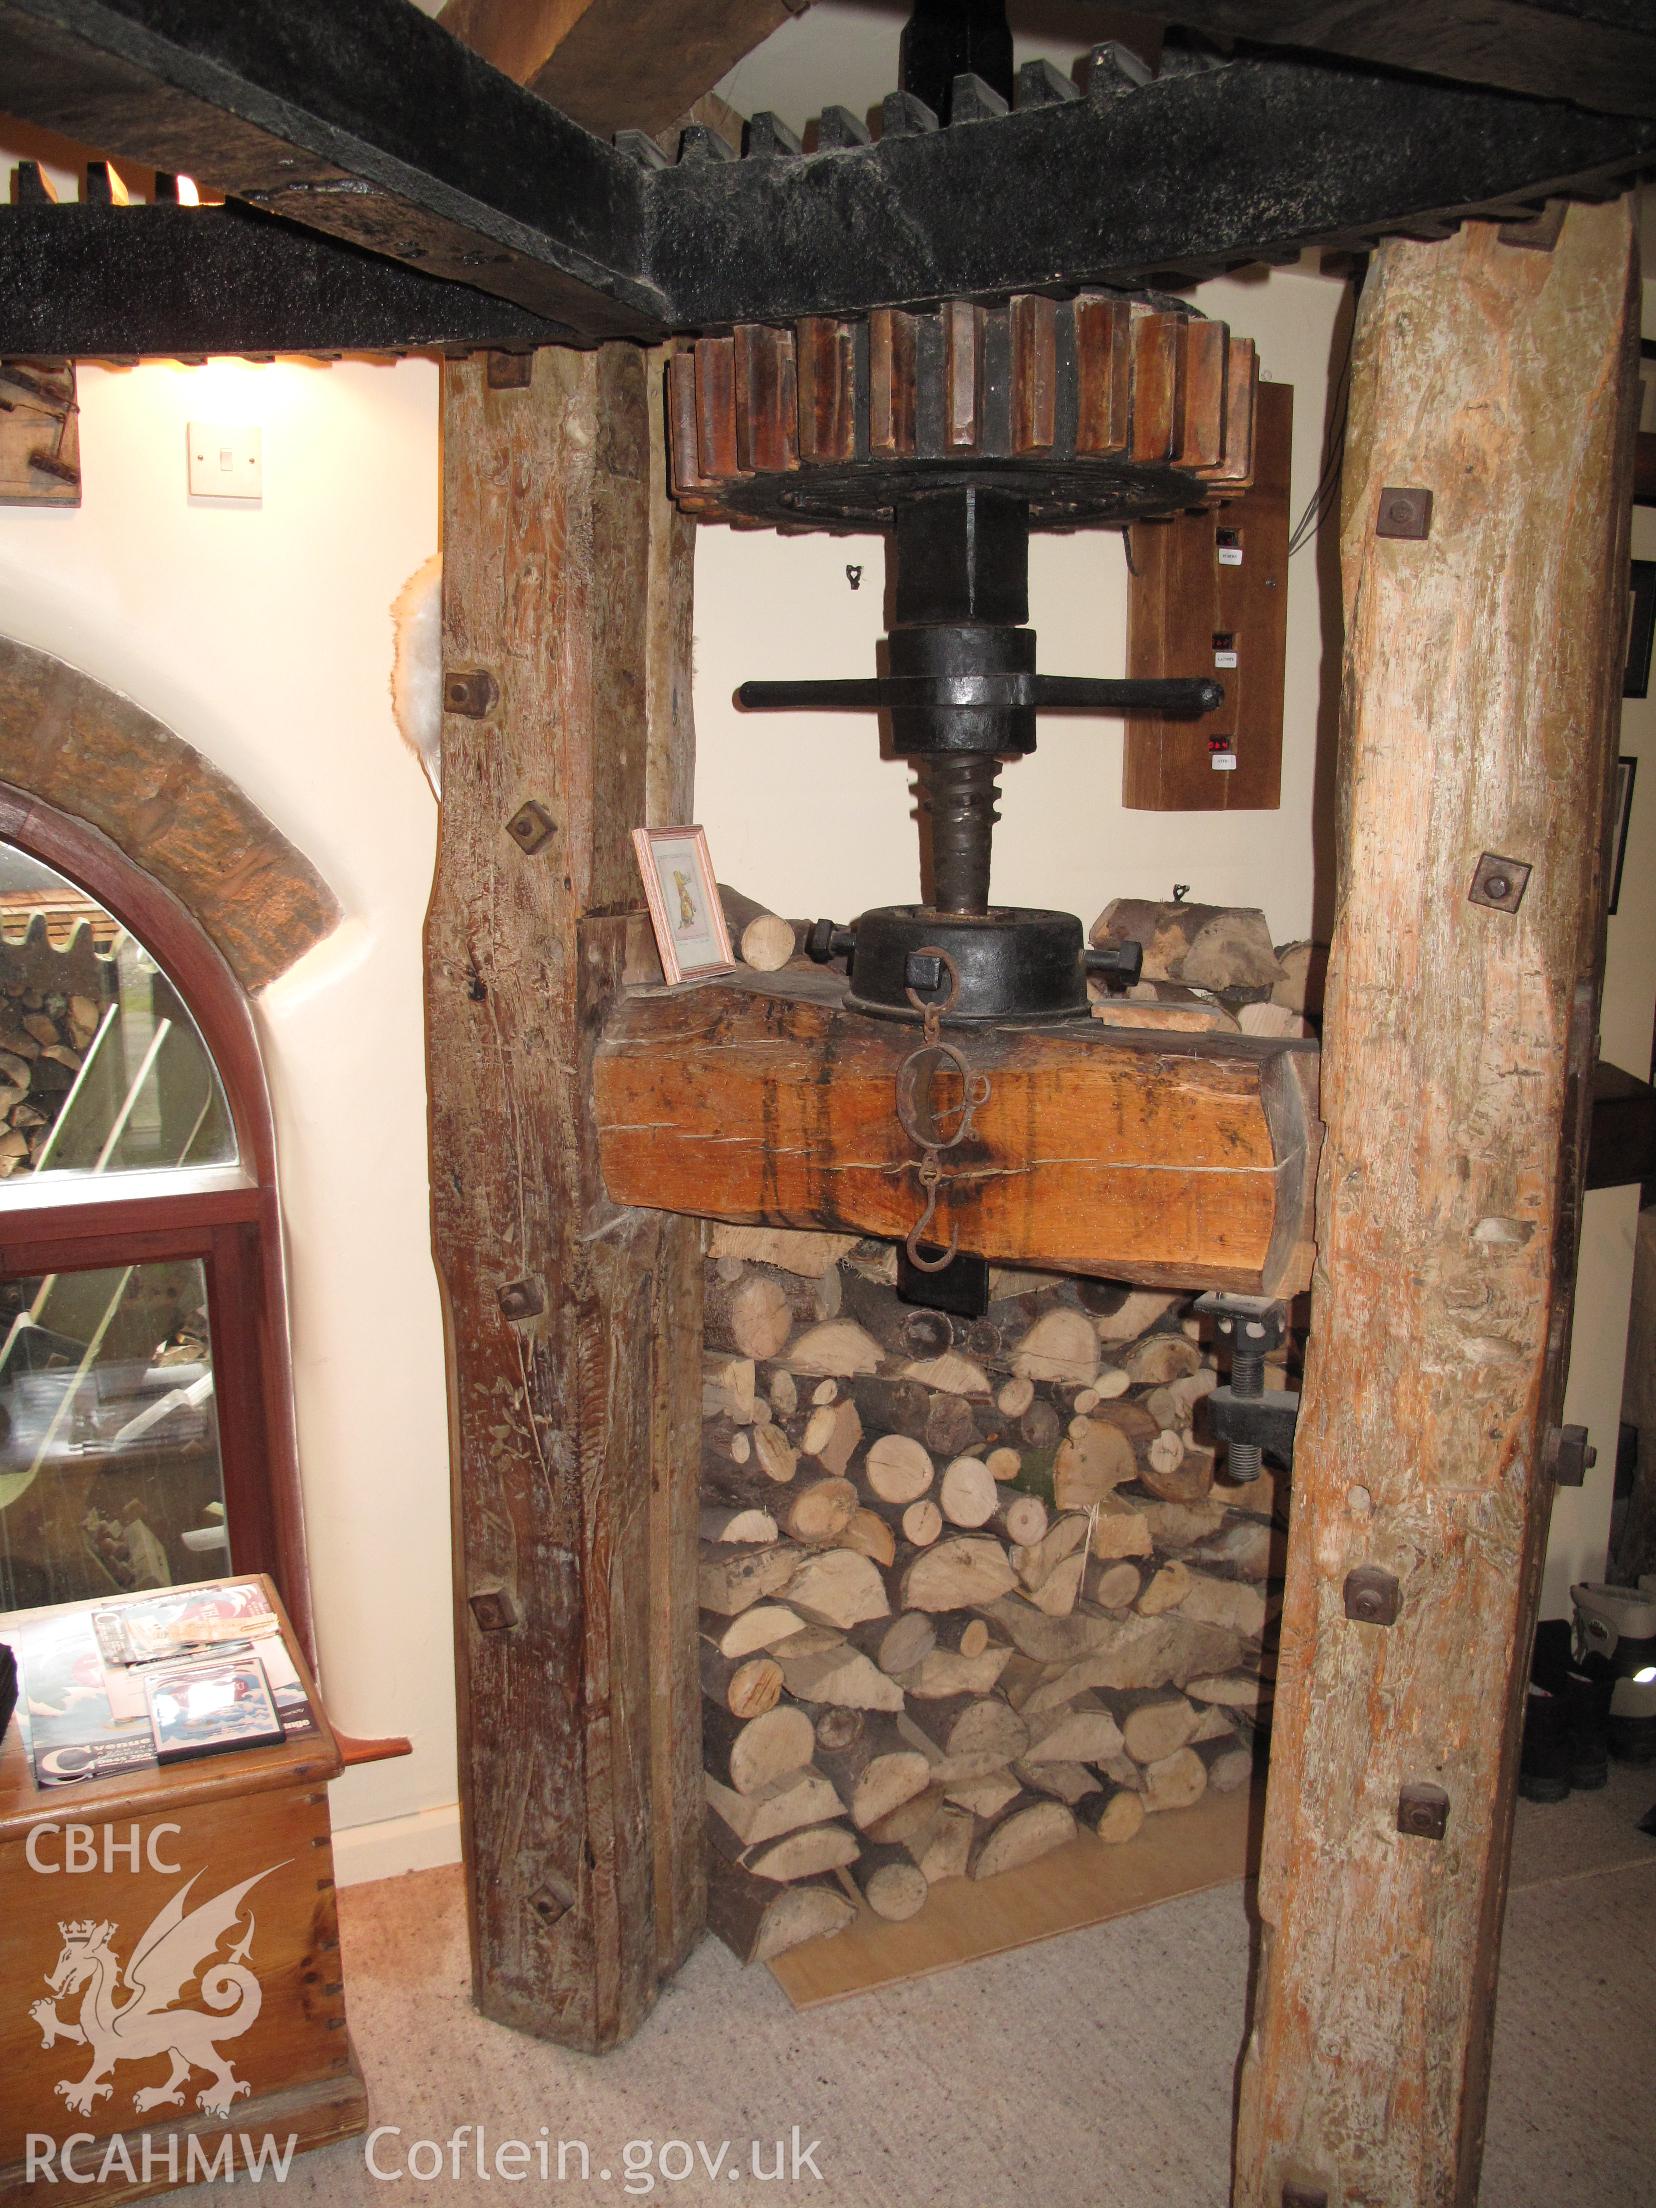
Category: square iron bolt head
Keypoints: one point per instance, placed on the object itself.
(1296, 2195)
(472, 691)
(1422, 1810)
(1569, 1455)
(494, 1610)
(521, 1299)
(1405, 511)
(1372, 1596)
(1499, 883)
(530, 827)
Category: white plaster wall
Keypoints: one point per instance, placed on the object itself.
(261, 635)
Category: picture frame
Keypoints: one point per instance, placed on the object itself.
(683, 897)
(1641, 627)
(1626, 768)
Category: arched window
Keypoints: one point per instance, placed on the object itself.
(145, 1433)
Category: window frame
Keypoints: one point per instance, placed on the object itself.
(228, 1217)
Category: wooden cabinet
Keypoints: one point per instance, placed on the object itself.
(171, 2000)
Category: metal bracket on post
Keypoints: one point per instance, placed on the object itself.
(1248, 1417)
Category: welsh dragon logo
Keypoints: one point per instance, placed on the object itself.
(147, 2022)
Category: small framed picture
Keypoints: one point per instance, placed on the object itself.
(1626, 768)
(683, 897)
(1641, 626)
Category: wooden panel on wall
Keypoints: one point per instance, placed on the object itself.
(39, 434)
(573, 1327)
(1203, 579)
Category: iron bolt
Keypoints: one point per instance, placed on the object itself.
(1422, 1810)
(521, 1299)
(494, 1609)
(531, 826)
(1372, 1596)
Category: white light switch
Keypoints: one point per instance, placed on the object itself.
(226, 460)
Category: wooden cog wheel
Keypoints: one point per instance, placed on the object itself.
(1096, 408)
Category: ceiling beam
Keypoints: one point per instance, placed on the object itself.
(368, 122)
(1180, 177)
(617, 64)
(89, 282)
(1599, 54)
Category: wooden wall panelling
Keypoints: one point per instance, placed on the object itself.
(1173, 1160)
(1182, 598)
(1481, 694)
(39, 434)
(573, 1326)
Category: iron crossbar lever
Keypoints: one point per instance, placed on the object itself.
(1176, 697)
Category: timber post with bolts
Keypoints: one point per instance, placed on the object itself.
(574, 1326)
(1483, 656)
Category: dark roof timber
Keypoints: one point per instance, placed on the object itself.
(1597, 53)
(371, 125)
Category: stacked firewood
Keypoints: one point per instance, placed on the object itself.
(969, 1588)
(43, 1037)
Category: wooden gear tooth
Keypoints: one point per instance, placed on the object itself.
(1033, 392)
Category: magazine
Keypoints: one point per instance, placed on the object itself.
(204, 1708)
(83, 1711)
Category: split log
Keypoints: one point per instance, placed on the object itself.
(782, 1804)
(758, 1920)
(1176, 1472)
(1113, 1586)
(922, 1523)
(1239, 1606)
(876, 1773)
(909, 1820)
(1036, 1563)
(946, 1671)
(1022, 1836)
(839, 1347)
(1247, 1546)
(747, 1686)
(967, 1494)
(1166, 1590)
(1091, 1464)
(758, 936)
(737, 1522)
(836, 1587)
(751, 1630)
(1060, 1591)
(891, 1882)
(1050, 1640)
(945, 1848)
(1135, 1316)
(1023, 1519)
(1244, 1691)
(965, 1571)
(891, 1406)
(950, 1374)
(951, 1426)
(1179, 1525)
(1114, 1813)
(728, 1387)
(898, 1646)
(817, 1511)
(832, 1434)
(1217, 947)
(898, 1469)
(842, 1676)
(1083, 1731)
(773, 1453)
(797, 1855)
(1229, 1768)
(1064, 1782)
(1175, 1782)
(755, 1311)
(1158, 1726)
(966, 1736)
(1120, 1529)
(781, 1391)
(794, 1250)
(867, 1533)
(1159, 1358)
(1015, 1396)
(747, 1754)
(732, 1580)
(836, 1729)
(984, 1797)
(1061, 1345)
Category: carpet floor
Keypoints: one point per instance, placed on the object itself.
(1095, 2070)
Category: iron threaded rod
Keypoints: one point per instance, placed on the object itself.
(958, 792)
(1244, 1461)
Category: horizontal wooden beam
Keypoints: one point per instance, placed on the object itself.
(617, 64)
(367, 122)
(1576, 50)
(1173, 1160)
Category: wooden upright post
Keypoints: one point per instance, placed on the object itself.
(574, 1326)
(1483, 663)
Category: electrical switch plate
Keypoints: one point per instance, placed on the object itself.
(226, 460)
